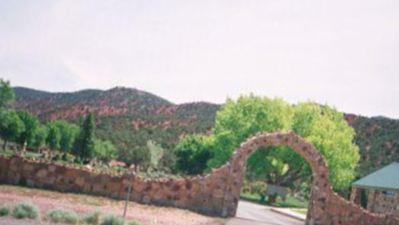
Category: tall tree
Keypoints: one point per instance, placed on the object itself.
(138, 156)
(7, 94)
(68, 134)
(84, 144)
(321, 125)
(53, 136)
(328, 131)
(39, 140)
(31, 124)
(11, 126)
(238, 120)
(104, 150)
(192, 154)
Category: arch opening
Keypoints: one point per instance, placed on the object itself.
(325, 206)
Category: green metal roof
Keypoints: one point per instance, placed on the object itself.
(385, 178)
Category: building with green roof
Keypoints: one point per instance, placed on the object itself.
(379, 191)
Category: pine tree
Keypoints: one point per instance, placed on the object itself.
(84, 145)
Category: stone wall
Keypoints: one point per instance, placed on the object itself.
(380, 201)
(216, 193)
(202, 194)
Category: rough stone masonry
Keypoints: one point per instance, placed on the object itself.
(215, 194)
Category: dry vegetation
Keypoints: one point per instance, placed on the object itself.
(84, 204)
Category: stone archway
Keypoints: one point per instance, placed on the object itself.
(216, 193)
(325, 206)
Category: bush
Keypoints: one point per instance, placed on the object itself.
(62, 216)
(134, 222)
(92, 218)
(4, 211)
(112, 220)
(25, 210)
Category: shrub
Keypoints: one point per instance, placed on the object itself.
(62, 216)
(112, 220)
(4, 211)
(92, 218)
(134, 222)
(25, 210)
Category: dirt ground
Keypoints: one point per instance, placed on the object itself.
(145, 214)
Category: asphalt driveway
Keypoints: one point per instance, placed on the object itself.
(254, 214)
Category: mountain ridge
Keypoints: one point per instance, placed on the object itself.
(130, 117)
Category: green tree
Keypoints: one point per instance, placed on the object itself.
(31, 124)
(328, 131)
(7, 94)
(104, 150)
(39, 140)
(137, 156)
(84, 144)
(193, 153)
(53, 136)
(156, 153)
(321, 125)
(11, 126)
(238, 120)
(68, 133)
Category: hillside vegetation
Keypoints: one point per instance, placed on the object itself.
(130, 118)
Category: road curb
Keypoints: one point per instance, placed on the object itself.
(294, 216)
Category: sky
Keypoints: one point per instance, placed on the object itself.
(344, 53)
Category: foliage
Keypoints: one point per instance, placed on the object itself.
(11, 126)
(92, 218)
(156, 153)
(118, 111)
(104, 150)
(31, 124)
(25, 210)
(193, 153)
(7, 94)
(259, 188)
(328, 131)
(84, 144)
(53, 136)
(39, 139)
(136, 156)
(238, 120)
(4, 211)
(134, 222)
(378, 138)
(289, 202)
(62, 216)
(112, 220)
(165, 123)
(321, 125)
(68, 133)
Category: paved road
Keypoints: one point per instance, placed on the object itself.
(254, 214)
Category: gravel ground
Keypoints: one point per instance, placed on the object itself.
(47, 200)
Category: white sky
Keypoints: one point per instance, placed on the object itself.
(342, 52)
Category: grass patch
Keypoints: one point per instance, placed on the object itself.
(289, 202)
(29, 154)
(25, 210)
(92, 218)
(301, 211)
(4, 211)
(112, 220)
(62, 216)
(7, 153)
